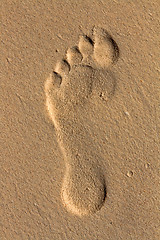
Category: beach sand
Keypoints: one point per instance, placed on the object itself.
(80, 120)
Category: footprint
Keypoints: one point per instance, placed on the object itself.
(78, 78)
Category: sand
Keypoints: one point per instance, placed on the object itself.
(80, 121)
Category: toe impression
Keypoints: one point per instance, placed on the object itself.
(62, 68)
(85, 46)
(106, 51)
(74, 56)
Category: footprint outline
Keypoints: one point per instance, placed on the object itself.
(85, 63)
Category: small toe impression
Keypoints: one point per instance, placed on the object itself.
(74, 56)
(85, 46)
(62, 68)
(106, 51)
(56, 79)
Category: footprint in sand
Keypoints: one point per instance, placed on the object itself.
(82, 75)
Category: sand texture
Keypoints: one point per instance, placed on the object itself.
(80, 120)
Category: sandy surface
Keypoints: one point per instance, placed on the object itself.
(124, 131)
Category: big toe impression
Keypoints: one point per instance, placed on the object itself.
(106, 51)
